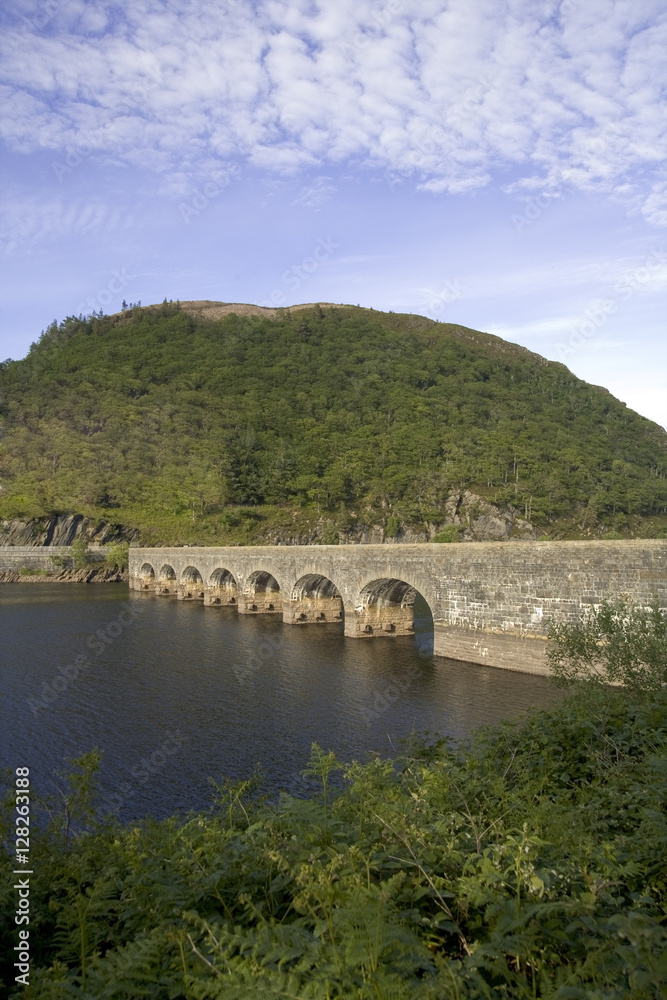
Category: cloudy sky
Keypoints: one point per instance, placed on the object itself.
(495, 163)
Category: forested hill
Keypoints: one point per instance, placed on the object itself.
(254, 424)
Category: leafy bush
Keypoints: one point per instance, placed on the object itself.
(116, 555)
(451, 533)
(393, 525)
(80, 553)
(615, 643)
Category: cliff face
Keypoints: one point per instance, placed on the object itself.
(63, 529)
(476, 519)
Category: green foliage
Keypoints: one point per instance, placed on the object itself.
(116, 555)
(80, 553)
(179, 425)
(329, 534)
(392, 528)
(451, 533)
(616, 643)
(527, 865)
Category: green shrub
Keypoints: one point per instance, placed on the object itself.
(80, 553)
(116, 555)
(616, 643)
(393, 524)
(330, 534)
(451, 533)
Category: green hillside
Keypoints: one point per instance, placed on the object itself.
(199, 429)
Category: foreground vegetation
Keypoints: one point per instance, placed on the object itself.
(243, 428)
(531, 864)
(528, 864)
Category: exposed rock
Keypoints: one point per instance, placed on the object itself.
(476, 518)
(85, 575)
(481, 521)
(63, 529)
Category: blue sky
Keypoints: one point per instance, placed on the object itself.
(495, 163)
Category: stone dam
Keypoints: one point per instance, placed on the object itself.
(490, 601)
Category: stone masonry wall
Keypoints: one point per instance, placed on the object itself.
(490, 602)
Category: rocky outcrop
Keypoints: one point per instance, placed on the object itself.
(63, 529)
(481, 521)
(476, 519)
(102, 574)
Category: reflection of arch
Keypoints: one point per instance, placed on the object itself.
(314, 598)
(385, 607)
(166, 583)
(261, 594)
(191, 587)
(221, 588)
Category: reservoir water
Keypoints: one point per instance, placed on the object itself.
(172, 692)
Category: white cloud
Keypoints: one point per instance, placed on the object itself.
(567, 94)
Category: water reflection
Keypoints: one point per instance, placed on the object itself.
(180, 692)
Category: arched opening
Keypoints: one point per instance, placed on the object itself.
(314, 600)
(221, 590)
(191, 587)
(167, 583)
(386, 607)
(261, 595)
(146, 577)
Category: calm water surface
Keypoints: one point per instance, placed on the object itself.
(173, 692)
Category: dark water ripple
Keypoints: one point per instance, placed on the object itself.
(184, 692)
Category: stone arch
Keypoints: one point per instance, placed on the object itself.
(166, 581)
(314, 599)
(221, 589)
(261, 595)
(191, 585)
(146, 577)
(385, 607)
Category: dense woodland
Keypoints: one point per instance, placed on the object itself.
(221, 430)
